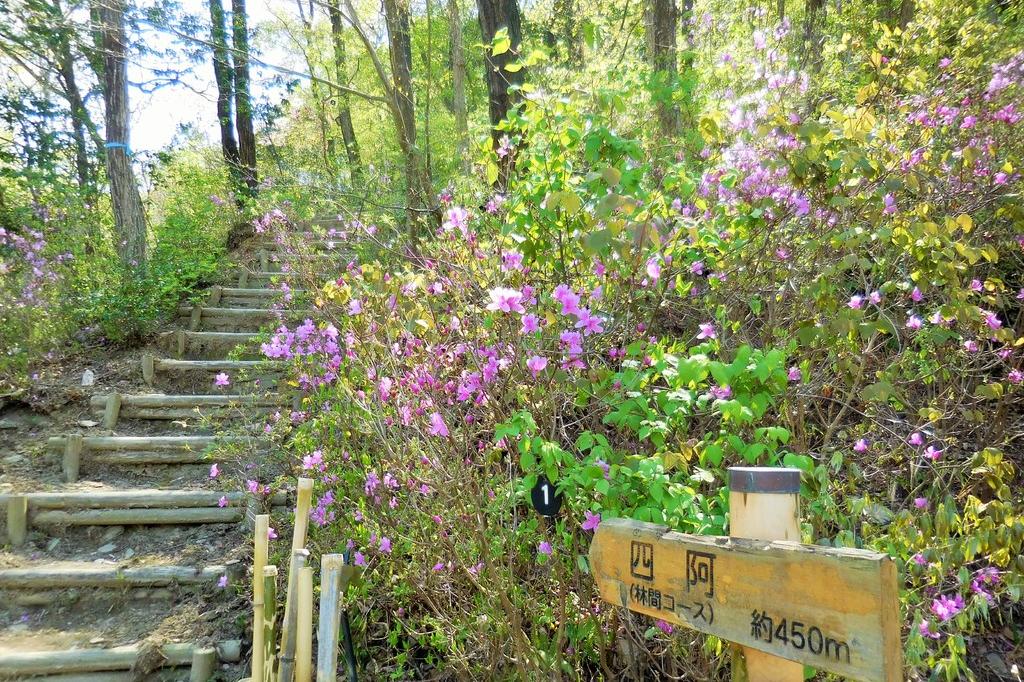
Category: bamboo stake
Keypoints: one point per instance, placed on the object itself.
(259, 561)
(291, 612)
(204, 661)
(330, 617)
(304, 498)
(764, 504)
(269, 615)
(304, 627)
(111, 410)
(148, 368)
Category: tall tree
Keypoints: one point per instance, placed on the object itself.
(343, 106)
(566, 20)
(224, 77)
(129, 218)
(458, 63)
(495, 15)
(661, 21)
(243, 100)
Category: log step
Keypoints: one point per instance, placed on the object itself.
(91, 574)
(138, 498)
(27, 663)
(113, 406)
(151, 365)
(182, 341)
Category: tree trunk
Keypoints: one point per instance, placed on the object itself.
(129, 219)
(79, 114)
(222, 72)
(344, 111)
(243, 102)
(396, 16)
(494, 15)
(661, 26)
(458, 59)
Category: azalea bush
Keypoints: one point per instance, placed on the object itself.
(833, 287)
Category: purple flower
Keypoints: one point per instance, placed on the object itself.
(976, 285)
(932, 453)
(437, 425)
(663, 626)
(359, 560)
(355, 306)
(971, 346)
(1015, 376)
(506, 300)
(654, 267)
(861, 445)
(697, 267)
(793, 373)
(856, 302)
(511, 260)
(916, 438)
(925, 628)
(536, 364)
(888, 204)
(993, 321)
(223, 501)
(875, 297)
(214, 470)
(271, 533)
(946, 607)
(544, 548)
(919, 559)
(590, 324)
(914, 323)
(707, 331)
(592, 521)
(921, 502)
(385, 545)
(223, 581)
(721, 392)
(916, 295)
(222, 379)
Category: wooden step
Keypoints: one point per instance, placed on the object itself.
(220, 319)
(182, 342)
(152, 365)
(138, 507)
(113, 406)
(235, 297)
(134, 450)
(22, 664)
(39, 576)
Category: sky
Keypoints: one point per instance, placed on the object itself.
(157, 116)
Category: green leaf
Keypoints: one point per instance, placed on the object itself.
(501, 43)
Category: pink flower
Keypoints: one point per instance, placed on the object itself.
(875, 297)
(359, 560)
(223, 581)
(590, 324)
(856, 302)
(707, 331)
(971, 346)
(914, 323)
(1015, 376)
(861, 445)
(916, 295)
(976, 285)
(313, 460)
(663, 626)
(506, 300)
(214, 470)
(385, 545)
(569, 299)
(782, 254)
(271, 533)
(222, 502)
(888, 204)
(253, 486)
(925, 628)
(932, 453)
(457, 217)
(793, 374)
(993, 321)
(697, 267)
(531, 324)
(222, 379)
(355, 306)
(654, 267)
(968, 122)
(437, 425)
(1020, 294)
(544, 548)
(947, 607)
(511, 260)
(921, 502)
(916, 438)
(721, 392)
(592, 521)
(920, 560)
(999, 178)
(536, 364)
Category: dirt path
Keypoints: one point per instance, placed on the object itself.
(116, 533)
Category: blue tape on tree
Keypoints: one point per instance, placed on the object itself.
(115, 145)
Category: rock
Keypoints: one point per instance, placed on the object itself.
(88, 423)
(13, 459)
(8, 424)
(129, 553)
(112, 533)
(88, 378)
(107, 548)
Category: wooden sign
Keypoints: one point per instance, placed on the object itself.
(833, 609)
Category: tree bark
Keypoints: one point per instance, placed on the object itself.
(243, 101)
(494, 15)
(458, 60)
(79, 114)
(223, 76)
(396, 16)
(343, 108)
(661, 22)
(129, 218)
